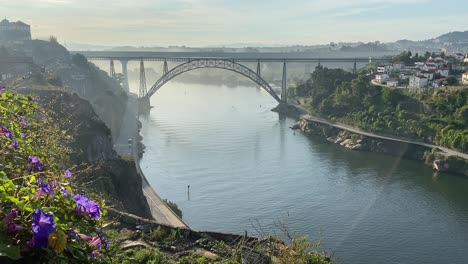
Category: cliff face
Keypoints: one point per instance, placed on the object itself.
(92, 145)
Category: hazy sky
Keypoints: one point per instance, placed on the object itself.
(214, 22)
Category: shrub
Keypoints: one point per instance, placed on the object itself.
(174, 207)
(38, 205)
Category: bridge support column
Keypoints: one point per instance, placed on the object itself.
(165, 67)
(355, 67)
(112, 69)
(143, 90)
(284, 85)
(144, 105)
(125, 84)
(259, 71)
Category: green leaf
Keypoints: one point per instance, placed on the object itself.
(10, 251)
(12, 199)
(32, 179)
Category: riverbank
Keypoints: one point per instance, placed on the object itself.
(129, 144)
(440, 158)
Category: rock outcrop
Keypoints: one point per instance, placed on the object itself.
(92, 145)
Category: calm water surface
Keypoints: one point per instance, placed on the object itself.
(247, 169)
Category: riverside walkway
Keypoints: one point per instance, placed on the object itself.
(446, 151)
(129, 130)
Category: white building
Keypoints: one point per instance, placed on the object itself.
(430, 66)
(384, 69)
(459, 56)
(397, 66)
(417, 81)
(465, 78)
(381, 78)
(427, 74)
(443, 72)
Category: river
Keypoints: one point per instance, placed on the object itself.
(248, 171)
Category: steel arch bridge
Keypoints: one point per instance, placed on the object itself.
(225, 64)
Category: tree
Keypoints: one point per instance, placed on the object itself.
(80, 60)
(53, 40)
(452, 80)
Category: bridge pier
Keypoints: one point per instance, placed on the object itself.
(125, 84)
(165, 67)
(284, 85)
(112, 69)
(143, 90)
(144, 105)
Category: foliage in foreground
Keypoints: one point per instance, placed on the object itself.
(42, 217)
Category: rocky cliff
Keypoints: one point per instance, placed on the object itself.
(92, 147)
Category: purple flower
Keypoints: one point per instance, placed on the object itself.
(42, 226)
(94, 210)
(81, 203)
(14, 145)
(34, 164)
(64, 191)
(44, 188)
(13, 213)
(71, 234)
(4, 131)
(23, 135)
(14, 228)
(85, 237)
(102, 236)
(85, 206)
(2, 88)
(93, 241)
(68, 173)
(93, 254)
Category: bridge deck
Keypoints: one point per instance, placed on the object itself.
(234, 56)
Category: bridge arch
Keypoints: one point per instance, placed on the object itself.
(212, 63)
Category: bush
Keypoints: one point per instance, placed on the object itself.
(80, 61)
(173, 207)
(38, 205)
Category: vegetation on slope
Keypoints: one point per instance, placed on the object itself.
(42, 216)
(438, 116)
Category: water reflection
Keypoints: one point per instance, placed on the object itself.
(244, 164)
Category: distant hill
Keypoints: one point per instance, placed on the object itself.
(454, 37)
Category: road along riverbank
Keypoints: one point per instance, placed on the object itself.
(128, 145)
(440, 158)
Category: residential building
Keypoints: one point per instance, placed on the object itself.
(459, 56)
(14, 31)
(465, 78)
(417, 81)
(385, 69)
(381, 78)
(443, 72)
(427, 74)
(397, 66)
